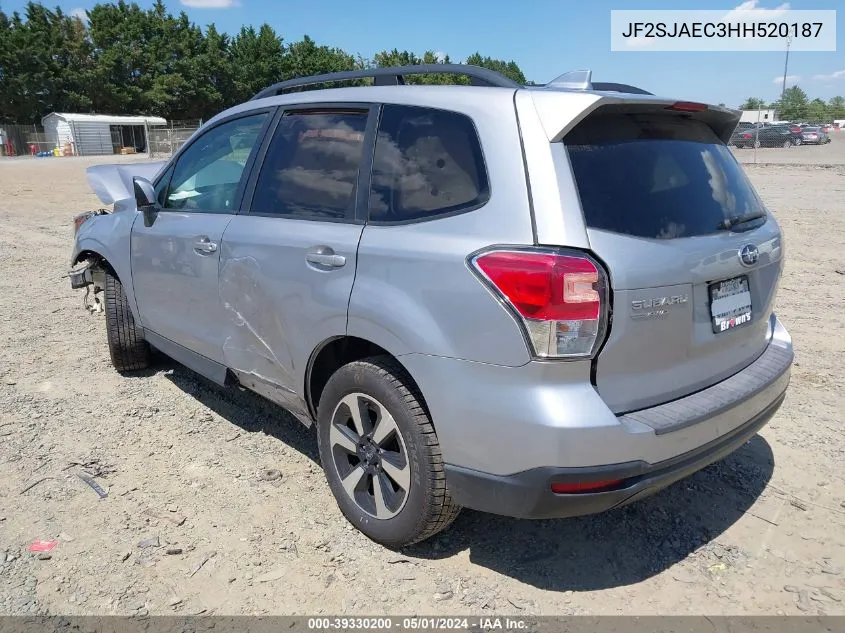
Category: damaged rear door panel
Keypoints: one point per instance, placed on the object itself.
(288, 264)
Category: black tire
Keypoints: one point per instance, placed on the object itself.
(127, 347)
(428, 507)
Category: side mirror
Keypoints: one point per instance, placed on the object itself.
(145, 199)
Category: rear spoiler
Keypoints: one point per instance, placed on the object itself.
(560, 111)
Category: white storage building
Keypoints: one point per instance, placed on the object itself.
(93, 134)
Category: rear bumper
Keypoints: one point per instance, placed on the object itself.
(528, 495)
(647, 449)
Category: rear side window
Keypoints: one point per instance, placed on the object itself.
(657, 176)
(311, 168)
(427, 163)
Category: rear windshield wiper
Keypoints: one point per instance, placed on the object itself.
(738, 220)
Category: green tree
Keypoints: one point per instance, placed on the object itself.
(837, 108)
(306, 58)
(793, 105)
(509, 69)
(753, 103)
(817, 111)
(258, 60)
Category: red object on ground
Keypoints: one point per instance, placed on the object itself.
(42, 546)
(33, 149)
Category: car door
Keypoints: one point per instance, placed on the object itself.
(175, 261)
(288, 263)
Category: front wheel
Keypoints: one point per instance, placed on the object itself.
(380, 454)
(127, 347)
(787, 144)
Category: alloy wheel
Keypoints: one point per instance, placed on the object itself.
(370, 455)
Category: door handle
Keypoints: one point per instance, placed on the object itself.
(204, 246)
(325, 256)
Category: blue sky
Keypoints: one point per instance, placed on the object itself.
(546, 38)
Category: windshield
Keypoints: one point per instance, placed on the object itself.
(657, 176)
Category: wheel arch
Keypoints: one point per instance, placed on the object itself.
(334, 353)
(93, 249)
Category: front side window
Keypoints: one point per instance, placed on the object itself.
(207, 175)
(427, 163)
(311, 168)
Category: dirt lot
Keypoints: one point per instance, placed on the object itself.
(761, 532)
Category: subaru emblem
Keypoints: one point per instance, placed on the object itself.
(749, 255)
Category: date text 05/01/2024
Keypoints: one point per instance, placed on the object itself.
(417, 624)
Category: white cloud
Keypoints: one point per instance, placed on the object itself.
(79, 13)
(211, 4)
(750, 11)
(790, 79)
(839, 74)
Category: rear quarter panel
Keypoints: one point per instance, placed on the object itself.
(414, 292)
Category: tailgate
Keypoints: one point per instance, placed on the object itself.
(693, 256)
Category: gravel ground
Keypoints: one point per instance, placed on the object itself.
(190, 526)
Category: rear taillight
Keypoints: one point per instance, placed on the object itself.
(559, 297)
(746, 135)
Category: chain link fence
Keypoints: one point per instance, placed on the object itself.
(811, 135)
(165, 140)
(23, 140)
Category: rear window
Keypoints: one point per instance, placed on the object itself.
(657, 176)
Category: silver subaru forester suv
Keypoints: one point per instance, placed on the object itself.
(539, 301)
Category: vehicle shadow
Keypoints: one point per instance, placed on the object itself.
(244, 409)
(613, 549)
(622, 546)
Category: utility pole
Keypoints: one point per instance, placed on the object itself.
(785, 67)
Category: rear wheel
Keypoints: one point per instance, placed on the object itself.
(381, 455)
(127, 347)
(757, 144)
(787, 143)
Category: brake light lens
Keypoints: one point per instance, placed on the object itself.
(559, 297)
(746, 135)
(687, 106)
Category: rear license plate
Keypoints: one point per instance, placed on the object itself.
(730, 304)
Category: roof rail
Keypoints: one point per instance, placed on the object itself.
(395, 76)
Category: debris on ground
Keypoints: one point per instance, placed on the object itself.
(149, 542)
(42, 546)
(32, 485)
(88, 479)
(172, 516)
(201, 563)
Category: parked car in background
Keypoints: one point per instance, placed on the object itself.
(767, 137)
(827, 128)
(814, 136)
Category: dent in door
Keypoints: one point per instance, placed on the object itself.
(247, 350)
